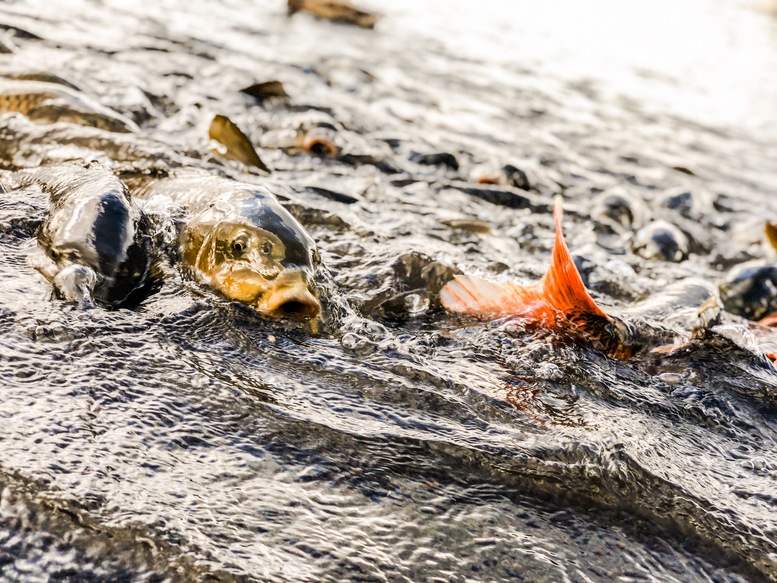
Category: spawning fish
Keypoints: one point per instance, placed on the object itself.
(560, 300)
(53, 102)
(95, 240)
(239, 240)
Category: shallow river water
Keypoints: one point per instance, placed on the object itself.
(187, 439)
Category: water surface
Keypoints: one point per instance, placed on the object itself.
(187, 439)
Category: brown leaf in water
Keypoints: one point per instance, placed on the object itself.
(262, 91)
(334, 10)
(238, 146)
(771, 233)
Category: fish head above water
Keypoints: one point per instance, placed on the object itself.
(268, 267)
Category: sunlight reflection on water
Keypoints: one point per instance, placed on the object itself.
(710, 60)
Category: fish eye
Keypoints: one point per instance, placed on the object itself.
(239, 246)
(267, 247)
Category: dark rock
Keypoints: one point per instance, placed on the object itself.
(440, 159)
(691, 204)
(662, 241)
(516, 177)
(619, 207)
(750, 291)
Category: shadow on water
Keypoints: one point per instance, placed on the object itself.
(187, 439)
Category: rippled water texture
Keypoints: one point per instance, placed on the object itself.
(186, 439)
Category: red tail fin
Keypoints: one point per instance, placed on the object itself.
(562, 285)
(560, 293)
(472, 295)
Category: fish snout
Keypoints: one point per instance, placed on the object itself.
(290, 297)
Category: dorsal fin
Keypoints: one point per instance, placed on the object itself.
(560, 292)
(562, 285)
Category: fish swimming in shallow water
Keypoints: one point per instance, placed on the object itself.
(334, 10)
(559, 300)
(239, 240)
(94, 240)
(53, 102)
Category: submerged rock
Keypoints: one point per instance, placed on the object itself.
(750, 291)
(690, 203)
(661, 241)
(619, 207)
(440, 159)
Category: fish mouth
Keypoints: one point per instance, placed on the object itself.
(290, 297)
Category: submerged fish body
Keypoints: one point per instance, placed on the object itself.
(239, 240)
(53, 102)
(560, 300)
(94, 240)
(334, 10)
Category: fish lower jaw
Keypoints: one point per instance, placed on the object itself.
(292, 303)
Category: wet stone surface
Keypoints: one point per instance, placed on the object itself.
(186, 438)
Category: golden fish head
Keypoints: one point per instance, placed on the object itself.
(255, 266)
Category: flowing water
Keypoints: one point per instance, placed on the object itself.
(187, 439)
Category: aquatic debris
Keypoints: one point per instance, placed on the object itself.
(52, 102)
(334, 10)
(266, 90)
(236, 144)
(662, 241)
(96, 241)
(239, 240)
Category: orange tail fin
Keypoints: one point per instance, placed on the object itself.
(559, 294)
